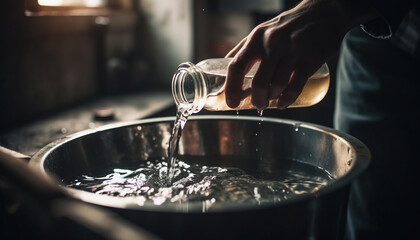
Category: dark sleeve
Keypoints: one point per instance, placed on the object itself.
(392, 13)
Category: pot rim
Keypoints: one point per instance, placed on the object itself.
(360, 156)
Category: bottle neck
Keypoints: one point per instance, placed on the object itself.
(189, 87)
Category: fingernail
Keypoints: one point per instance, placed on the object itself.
(259, 105)
(232, 102)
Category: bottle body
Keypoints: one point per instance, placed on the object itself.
(203, 85)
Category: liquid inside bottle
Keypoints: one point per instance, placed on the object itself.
(202, 86)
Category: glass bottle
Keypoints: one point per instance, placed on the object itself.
(202, 86)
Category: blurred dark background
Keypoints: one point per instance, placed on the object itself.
(71, 65)
(62, 54)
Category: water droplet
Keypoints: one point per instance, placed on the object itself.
(91, 125)
(297, 125)
(63, 130)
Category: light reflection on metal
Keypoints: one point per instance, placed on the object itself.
(72, 3)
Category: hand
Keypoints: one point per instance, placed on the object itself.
(290, 47)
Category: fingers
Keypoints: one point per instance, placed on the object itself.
(294, 88)
(269, 44)
(280, 78)
(275, 69)
(275, 40)
(289, 48)
(237, 69)
(249, 53)
(261, 83)
(233, 89)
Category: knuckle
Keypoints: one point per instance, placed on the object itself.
(270, 38)
(258, 32)
(235, 66)
(277, 37)
(296, 38)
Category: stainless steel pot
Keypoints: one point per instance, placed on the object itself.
(280, 143)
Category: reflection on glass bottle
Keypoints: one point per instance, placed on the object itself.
(202, 86)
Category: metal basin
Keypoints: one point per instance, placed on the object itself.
(280, 142)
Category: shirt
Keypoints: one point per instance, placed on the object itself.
(399, 21)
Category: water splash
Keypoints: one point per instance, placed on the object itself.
(209, 185)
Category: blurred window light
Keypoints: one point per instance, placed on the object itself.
(72, 3)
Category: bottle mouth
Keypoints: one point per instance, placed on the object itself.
(189, 87)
